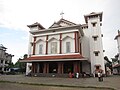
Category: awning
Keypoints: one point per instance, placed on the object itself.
(97, 65)
(68, 57)
(118, 65)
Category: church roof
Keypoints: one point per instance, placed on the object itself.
(117, 65)
(59, 23)
(93, 14)
(55, 25)
(66, 21)
(54, 58)
(2, 47)
(117, 35)
(36, 24)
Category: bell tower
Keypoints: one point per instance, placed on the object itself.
(93, 21)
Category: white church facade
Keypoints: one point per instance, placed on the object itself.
(66, 47)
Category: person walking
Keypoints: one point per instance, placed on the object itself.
(77, 75)
(100, 76)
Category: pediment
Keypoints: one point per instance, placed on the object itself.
(40, 40)
(55, 25)
(51, 39)
(62, 23)
(65, 23)
(67, 37)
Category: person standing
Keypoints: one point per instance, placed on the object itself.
(77, 75)
(100, 76)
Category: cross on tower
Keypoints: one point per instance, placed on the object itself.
(61, 14)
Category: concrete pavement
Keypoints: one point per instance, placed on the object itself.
(109, 82)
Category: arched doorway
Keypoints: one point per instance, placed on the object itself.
(53, 67)
(68, 67)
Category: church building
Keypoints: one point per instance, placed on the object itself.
(66, 47)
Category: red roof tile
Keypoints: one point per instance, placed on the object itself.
(118, 65)
(74, 56)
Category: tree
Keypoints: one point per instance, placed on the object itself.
(115, 59)
(21, 65)
(109, 63)
(25, 56)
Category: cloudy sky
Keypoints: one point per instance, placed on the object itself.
(16, 14)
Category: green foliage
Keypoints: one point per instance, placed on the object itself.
(21, 65)
(109, 63)
(115, 59)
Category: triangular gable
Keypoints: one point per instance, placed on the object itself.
(64, 22)
(55, 25)
(53, 38)
(67, 37)
(36, 24)
(39, 40)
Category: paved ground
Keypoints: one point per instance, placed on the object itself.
(110, 82)
(15, 86)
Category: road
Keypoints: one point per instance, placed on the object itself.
(15, 86)
(109, 82)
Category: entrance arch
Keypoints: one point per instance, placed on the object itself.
(68, 67)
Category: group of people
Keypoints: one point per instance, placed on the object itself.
(71, 75)
(76, 75)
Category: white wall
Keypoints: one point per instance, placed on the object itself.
(34, 28)
(66, 37)
(96, 45)
(86, 67)
(53, 38)
(118, 41)
(85, 43)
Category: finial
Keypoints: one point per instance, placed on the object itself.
(118, 31)
(61, 14)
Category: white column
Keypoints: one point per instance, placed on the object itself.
(28, 68)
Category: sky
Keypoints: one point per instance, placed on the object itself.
(15, 15)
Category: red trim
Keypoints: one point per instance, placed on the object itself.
(34, 44)
(59, 67)
(72, 56)
(47, 67)
(75, 42)
(47, 44)
(118, 65)
(78, 40)
(44, 68)
(60, 43)
(80, 49)
(62, 68)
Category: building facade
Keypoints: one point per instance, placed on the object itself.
(66, 47)
(5, 59)
(116, 65)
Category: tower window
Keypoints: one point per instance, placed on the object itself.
(96, 53)
(94, 24)
(1, 61)
(101, 35)
(95, 37)
(6, 62)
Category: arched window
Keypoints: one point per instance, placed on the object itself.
(68, 47)
(41, 49)
(53, 47)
